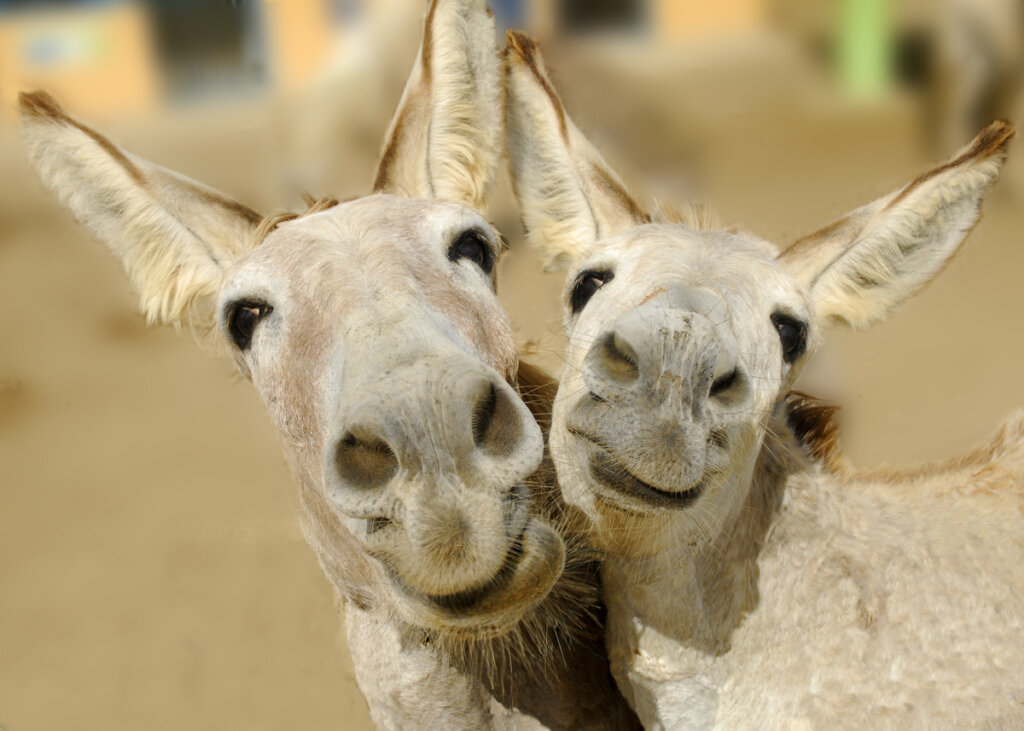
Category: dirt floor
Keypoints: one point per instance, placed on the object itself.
(152, 573)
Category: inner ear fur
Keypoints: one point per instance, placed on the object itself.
(444, 139)
(174, 236)
(862, 266)
(569, 196)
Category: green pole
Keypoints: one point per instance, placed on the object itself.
(864, 47)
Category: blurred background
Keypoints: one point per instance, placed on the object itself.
(152, 573)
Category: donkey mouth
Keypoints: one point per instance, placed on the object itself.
(610, 471)
(532, 564)
(467, 600)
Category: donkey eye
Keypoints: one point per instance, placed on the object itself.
(587, 284)
(792, 334)
(243, 319)
(473, 246)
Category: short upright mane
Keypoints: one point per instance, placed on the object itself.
(698, 216)
(815, 425)
(273, 220)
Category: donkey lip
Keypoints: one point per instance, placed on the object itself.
(467, 599)
(609, 471)
(533, 562)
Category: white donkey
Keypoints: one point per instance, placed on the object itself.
(372, 332)
(749, 586)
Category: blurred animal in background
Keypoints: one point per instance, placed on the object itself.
(980, 59)
(372, 332)
(979, 70)
(331, 125)
(753, 579)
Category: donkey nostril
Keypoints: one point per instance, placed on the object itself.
(618, 359)
(723, 383)
(364, 461)
(729, 389)
(376, 525)
(496, 427)
(483, 414)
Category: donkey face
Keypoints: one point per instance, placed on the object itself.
(370, 329)
(372, 333)
(682, 341)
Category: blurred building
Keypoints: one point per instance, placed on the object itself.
(657, 20)
(106, 58)
(109, 57)
(114, 57)
(98, 56)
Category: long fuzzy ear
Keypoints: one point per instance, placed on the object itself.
(568, 195)
(862, 266)
(175, 237)
(444, 139)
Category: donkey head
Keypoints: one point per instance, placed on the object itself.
(682, 340)
(370, 329)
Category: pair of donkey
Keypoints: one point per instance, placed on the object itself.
(751, 579)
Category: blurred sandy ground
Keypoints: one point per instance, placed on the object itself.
(152, 574)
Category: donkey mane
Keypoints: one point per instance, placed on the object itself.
(814, 423)
(270, 222)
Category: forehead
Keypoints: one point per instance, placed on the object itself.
(380, 230)
(720, 259)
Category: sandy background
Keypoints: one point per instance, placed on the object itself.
(152, 574)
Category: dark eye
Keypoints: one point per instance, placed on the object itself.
(587, 283)
(473, 246)
(243, 319)
(792, 334)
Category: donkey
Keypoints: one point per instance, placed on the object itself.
(372, 332)
(753, 580)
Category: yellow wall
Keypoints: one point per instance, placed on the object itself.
(300, 34)
(97, 61)
(675, 20)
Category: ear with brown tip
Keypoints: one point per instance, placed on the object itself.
(864, 265)
(568, 195)
(174, 236)
(444, 140)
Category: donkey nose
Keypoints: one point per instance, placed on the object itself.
(460, 423)
(670, 344)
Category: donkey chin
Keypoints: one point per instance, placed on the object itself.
(531, 567)
(465, 574)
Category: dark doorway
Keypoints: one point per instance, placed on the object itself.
(586, 16)
(509, 13)
(209, 47)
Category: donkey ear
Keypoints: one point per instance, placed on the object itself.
(568, 195)
(174, 236)
(862, 266)
(443, 141)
